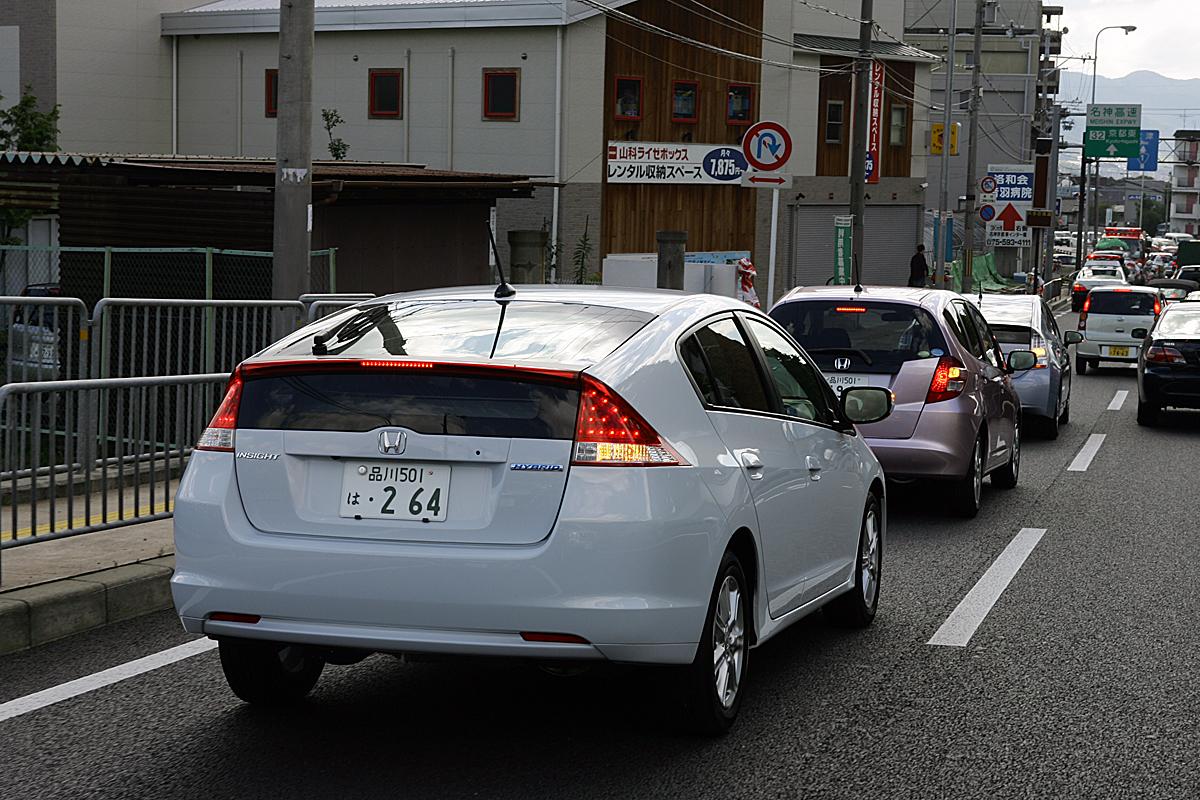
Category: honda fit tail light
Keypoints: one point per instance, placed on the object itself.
(608, 432)
(219, 433)
(949, 380)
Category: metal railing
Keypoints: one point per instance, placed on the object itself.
(87, 455)
(322, 305)
(44, 338)
(136, 336)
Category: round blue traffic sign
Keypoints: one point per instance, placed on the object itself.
(987, 213)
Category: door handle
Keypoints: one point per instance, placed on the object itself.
(814, 467)
(753, 465)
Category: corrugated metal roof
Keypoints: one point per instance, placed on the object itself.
(845, 46)
(262, 16)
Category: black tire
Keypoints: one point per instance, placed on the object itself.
(709, 713)
(967, 495)
(856, 608)
(1065, 417)
(1081, 365)
(1148, 414)
(1007, 476)
(269, 673)
(1049, 425)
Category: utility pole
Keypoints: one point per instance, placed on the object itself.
(940, 242)
(293, 156)
(1083, 190)
(858, 144)
(1052, 201)
(972, 153)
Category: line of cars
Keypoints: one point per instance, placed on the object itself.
(581, 475)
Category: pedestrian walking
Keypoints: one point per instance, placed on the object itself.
(918, 269)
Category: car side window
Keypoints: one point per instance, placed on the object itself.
(800, 385)
(970, 335)
(1050, 321)
(991, 348)
(725, 368)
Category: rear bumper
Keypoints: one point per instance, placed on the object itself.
(1094, 349)
(633, 585)
(1179, 388)
(940, 446)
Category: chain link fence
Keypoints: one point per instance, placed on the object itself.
(93, 273)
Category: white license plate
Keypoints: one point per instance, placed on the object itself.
(395, 490)
(840, 383)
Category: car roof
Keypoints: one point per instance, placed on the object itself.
(1123, 289)
(1010, 309)
(651, 301)
(930, 297)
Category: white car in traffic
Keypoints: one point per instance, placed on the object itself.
(1110, 321)
(569, 474)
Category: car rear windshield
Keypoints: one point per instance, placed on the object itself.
(1095, 272)
(1132, 303)
(477, 330)
(1180, 322)
(1187, 274)
(449, 404)
(876, 337)
(1012, 334)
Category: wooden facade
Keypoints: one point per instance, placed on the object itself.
(836, 92)
(715, 217)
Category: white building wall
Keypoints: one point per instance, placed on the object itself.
(114, 75)
(209, 80)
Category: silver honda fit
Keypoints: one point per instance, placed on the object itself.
(580, 474)
(957, 416)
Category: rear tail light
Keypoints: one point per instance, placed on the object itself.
(1157, 305)
(608, 432)
(1038, 345)
(949, 380)
(219, 433)
(1165, 355)
(1087, 304)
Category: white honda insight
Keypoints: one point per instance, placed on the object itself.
(577, 473)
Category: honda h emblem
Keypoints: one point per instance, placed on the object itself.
(841, 363)
(392, 443)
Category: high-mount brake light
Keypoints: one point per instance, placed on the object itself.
(608, 432)
(398, 364)
(949, 380)
(219, 433)
(851, 309)
(1124, 291)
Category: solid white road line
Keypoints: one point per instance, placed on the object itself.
(1083, 459)
(1118, 400)
(98, 680)
(962, 623)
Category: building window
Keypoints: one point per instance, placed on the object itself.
(501, 93)
(386, 93)
(685, 101)
(739, 104)
(835, 121)
(627, 98)
(898, 126)
(272, 94)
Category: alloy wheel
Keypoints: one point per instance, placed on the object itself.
(869, 567)
(729, 641)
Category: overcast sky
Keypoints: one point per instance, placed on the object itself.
(1167, 35)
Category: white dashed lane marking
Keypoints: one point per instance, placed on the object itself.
(1118, 400)
(1083, 459)
(966, 618)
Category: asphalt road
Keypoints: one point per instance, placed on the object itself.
(1080, 682)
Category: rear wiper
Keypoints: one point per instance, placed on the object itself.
(851, 350)
(353, 328)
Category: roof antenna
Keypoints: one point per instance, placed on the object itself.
(504, 290)
(857, 275)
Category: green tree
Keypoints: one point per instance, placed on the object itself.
(337, 146)
(24, 127)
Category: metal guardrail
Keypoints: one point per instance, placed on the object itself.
(44, 338)
(88, 455)
(136, 336)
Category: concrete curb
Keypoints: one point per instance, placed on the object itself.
(38, 614)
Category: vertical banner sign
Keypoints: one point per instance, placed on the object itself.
(875, 123)
(843, 249)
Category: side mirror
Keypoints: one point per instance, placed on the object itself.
(1072, 337)
(1021, 360)
(1140, 333)
(863, 405)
